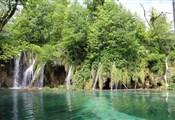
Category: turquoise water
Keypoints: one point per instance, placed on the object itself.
(87, 105)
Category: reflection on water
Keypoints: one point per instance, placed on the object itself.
(28, 105)
(100, 107)
(169, 107)
(167, 95)
(23, 104)
(149, 104)
(15, 105)
(92, 105)
(41, 101)
(68, 99)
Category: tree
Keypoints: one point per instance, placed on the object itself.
(161, 42)
(74, 34)
(8, 9)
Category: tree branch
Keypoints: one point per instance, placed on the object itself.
(145, 14)
(158, 15)
(10, 12)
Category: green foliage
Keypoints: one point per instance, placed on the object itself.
(102, 34)
(171, 56)
(110, 38)
(74, 34)
(155, 62)
(171, 86)
(82, 76)
(9, 51)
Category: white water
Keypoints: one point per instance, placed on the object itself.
(112, 72)
(96, 79)
(28, 75)
(39, 72)
(166, 69)
(16, 71)
(34, 76)
(42, 75)
(68, 78)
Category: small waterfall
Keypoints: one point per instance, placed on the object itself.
(166, 69)
(68, 78)
(96, 78)
(28, 75)
(35, 76)
(17, 71)
(41, 79)
(112, 76)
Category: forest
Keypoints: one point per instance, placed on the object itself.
(98, 45)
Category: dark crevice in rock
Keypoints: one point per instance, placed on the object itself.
(107, 84)
(54, 76)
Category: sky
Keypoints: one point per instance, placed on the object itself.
(161, 5)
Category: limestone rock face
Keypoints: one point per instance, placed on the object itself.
(6, 75)
(54, 76)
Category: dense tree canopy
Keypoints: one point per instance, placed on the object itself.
(99, 35)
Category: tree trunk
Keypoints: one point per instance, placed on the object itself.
(174, 13)
(8, 14)
(125, 86)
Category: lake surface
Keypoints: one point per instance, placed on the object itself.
(87, 105)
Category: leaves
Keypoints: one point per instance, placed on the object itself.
(98, 32)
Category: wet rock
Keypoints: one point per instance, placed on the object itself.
(6, 74)
(54, 76)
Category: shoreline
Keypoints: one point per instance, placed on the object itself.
(97, 90)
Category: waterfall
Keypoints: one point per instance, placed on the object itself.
(17, 71)
(28, 75)
(96, 78)
(112, 76)
(34, 76)
(166, 69)
(41, 76)
(24, 79)
(68, 78)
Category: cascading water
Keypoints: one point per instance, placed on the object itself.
(41, 76)
(96, 78)
(68, 78)
(28, 75)
(17, 71)
(38, 76)
(166, 69)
